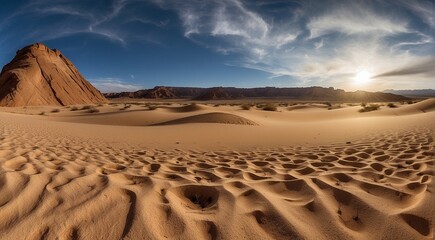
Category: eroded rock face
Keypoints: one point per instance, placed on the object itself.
(39, 75)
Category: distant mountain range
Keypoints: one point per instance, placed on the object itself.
(225, 93)
(39, 75)
(413, 93)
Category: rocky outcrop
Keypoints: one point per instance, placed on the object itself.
(215, 93)
(39, 75)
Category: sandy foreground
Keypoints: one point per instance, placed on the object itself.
(201, 171)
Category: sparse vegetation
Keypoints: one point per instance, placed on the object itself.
(126, 106)
(246, 106)
(152, 107)
(92, 110)
(363, 104)
(332, 106)
(369, 108)
(269, 107)
(74, 108)
(338, 106)
(132, 103)
(391, 105)
(86, 107)
(410, 102)
(55, 110)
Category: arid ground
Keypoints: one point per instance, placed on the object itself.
(217, 171)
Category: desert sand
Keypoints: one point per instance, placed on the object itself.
(205, 171)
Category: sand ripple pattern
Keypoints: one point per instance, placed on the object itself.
(376, 188)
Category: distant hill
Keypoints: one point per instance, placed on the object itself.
(225, 93)
(39, 75)
(413, 93)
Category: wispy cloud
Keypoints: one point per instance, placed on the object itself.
(79, 18)
(61, 10)
(426, 66)
(422, 9)
(237, 28)
(358, 35)
(355, 19)
(94, 21)
(108, 85)
(318, 44)
(190, 22)
(161, 23)
(309, 42)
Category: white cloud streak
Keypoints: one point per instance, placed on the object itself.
(237, 28)
(356, 20)
(422, 8)
(315, 42)
(99, 22)
(111, 85)
(357, 36)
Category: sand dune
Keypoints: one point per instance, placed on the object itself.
(213, 117)
(306, 107)
(423, 106)
(111, 175)
(187, 108)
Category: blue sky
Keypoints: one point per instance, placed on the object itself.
(125, 45)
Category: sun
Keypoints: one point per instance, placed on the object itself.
(362, 77)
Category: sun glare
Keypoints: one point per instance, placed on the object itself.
(362, 77)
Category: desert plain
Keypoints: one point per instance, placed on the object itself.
(217, 170)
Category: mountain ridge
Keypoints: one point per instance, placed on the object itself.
(227, 93)
(423, 93)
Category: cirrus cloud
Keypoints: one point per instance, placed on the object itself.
(314, 42)
(109, 85)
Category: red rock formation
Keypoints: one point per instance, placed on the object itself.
(39, 75)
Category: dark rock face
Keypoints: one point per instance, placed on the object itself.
(39, 75)
(216, 93)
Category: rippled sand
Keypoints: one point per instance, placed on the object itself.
(71, 177)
